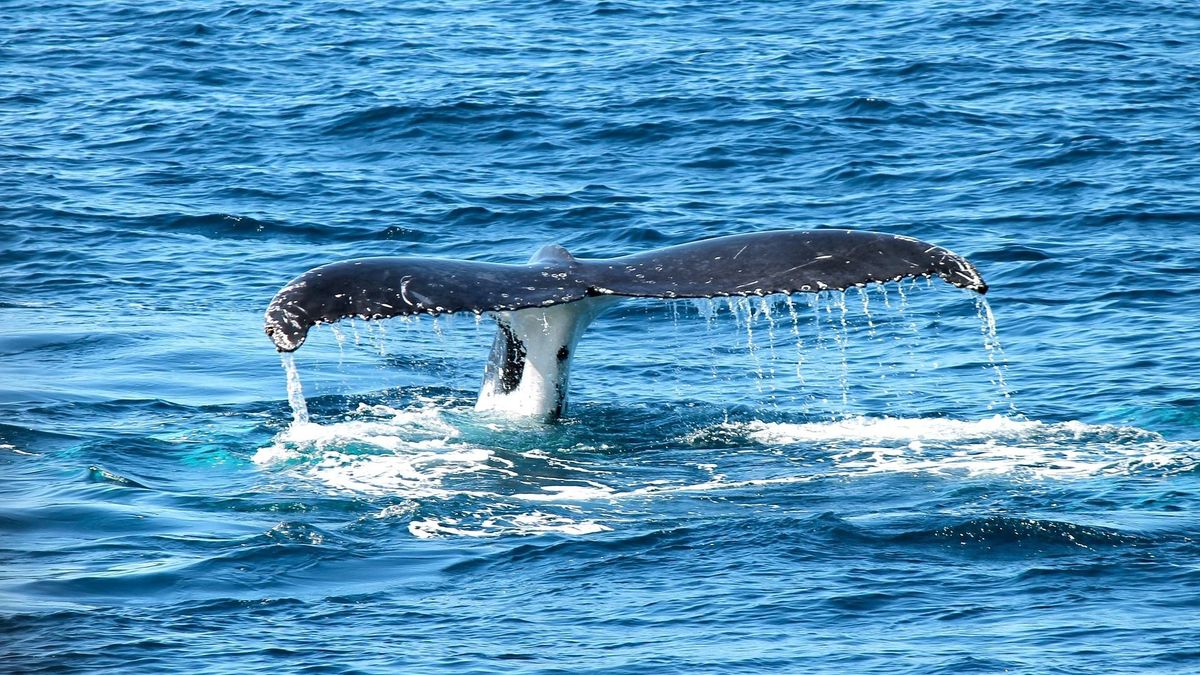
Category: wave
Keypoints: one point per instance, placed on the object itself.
(521, 523)
(405, 121)
(992, 532)
(115, 230)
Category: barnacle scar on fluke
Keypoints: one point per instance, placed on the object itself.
(543, 307)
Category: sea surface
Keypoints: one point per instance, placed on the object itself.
(902, 479)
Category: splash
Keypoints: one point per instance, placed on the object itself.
(378, 426)
(295, 393)
(450, 485)
(382, 450)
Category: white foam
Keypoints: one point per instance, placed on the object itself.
(419, 454)
(569, 493)
(413, 474)
(523, 524)
(273, 454)
(420, 445)
(996, 445)
(887, 429)
(378, 425)
(574, 493)
(16, 450)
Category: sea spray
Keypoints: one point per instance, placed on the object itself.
(295, 393)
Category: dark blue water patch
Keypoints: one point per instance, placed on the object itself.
(1001, 533)
(406, 121)
(1013, 253)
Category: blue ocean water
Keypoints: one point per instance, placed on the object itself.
(867, 482)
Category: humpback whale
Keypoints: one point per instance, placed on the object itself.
(543, 307)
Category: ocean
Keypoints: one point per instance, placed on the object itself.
(903, 478)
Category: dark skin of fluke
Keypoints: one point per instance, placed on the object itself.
(760, 263)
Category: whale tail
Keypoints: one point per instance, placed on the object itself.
(543, 307)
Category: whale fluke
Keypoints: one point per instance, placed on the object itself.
(527, 374)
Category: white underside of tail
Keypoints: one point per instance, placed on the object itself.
(529, 368)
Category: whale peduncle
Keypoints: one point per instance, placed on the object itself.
(529, 368)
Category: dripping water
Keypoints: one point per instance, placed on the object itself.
(707, 308)
(340, 338)
(822, 340)
(678, 367)
(791, 306)
(842, 338)
(995, 353)
(866, 309)
(834, 319)
(380, 336)
(295, 393)
(764, 312)
(736, 307)
(908, 334)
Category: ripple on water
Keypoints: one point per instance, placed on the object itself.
(858, 483)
